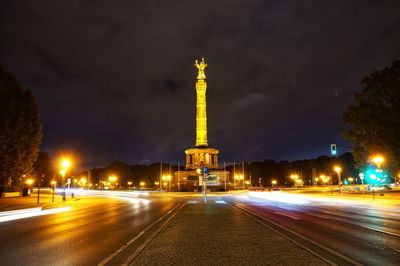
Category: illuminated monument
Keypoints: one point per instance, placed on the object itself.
(201, 155)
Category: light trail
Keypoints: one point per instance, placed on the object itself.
(32, 213)
(279, 196)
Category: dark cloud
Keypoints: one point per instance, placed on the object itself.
(115, 80)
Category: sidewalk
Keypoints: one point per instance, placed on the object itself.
(219, 234)
(8, 204)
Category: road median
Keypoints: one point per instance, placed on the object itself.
(219, 234)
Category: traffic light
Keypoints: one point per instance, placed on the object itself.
(333, 150)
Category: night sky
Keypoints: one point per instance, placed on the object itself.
(115, 79)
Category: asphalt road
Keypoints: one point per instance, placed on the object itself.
(85, 235)
(366, 233)
(96, 226)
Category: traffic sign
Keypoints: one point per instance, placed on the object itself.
(205, 170)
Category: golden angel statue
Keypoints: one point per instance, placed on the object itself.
(201, 68)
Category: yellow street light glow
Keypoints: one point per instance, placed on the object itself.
(165, 183)
(198, 170)
(53, 182)
(129, 183)
(29, 181)
(337, 169)
(112, 178)
(83, 180)
(274, 182)
(247, 182)
(378, 160)
(350, 179)
(169, 177)
(63, 172)
(294, 176)
(156, 183)
(65, 163)
(142, 184)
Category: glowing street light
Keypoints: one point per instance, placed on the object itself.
(112, 178)
(29, 182)
(378, 160)
(142, 184)
(338, 169)
(65, 164)
(273, 182)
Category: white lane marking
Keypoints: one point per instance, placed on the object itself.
(132, 257)
(354, 223)
(380, 231)
(220, 202)
(115, 253)
(248, 212)
(288, 215)
(192, 201)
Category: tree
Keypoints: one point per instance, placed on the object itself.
(20, 130)
(43, 166)
(373, 123)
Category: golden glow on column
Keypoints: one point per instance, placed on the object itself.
(201, 105)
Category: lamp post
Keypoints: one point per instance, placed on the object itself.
(53, 186)
(169, 182)
(273, 183)
(338, 169)
(112, 179)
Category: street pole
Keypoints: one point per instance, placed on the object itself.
(160, 176)
(170, 177)
(54, 188)
(38, 192)
(225, 175)
(234, 175)
(205, 187)
(243, 174)
(179, 179)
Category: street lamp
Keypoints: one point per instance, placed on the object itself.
(294, 177)
(142, 184)
(62, 173)
(53, 184)
(29, 182)
(83, 181)
(338, 169)
(169, 182)
(241, 178)
(378, 160)
(112, 179)
(273, 183)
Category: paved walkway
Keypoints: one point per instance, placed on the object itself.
(45, 201)
(219, 234)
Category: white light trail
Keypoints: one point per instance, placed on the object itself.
(27, 213)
